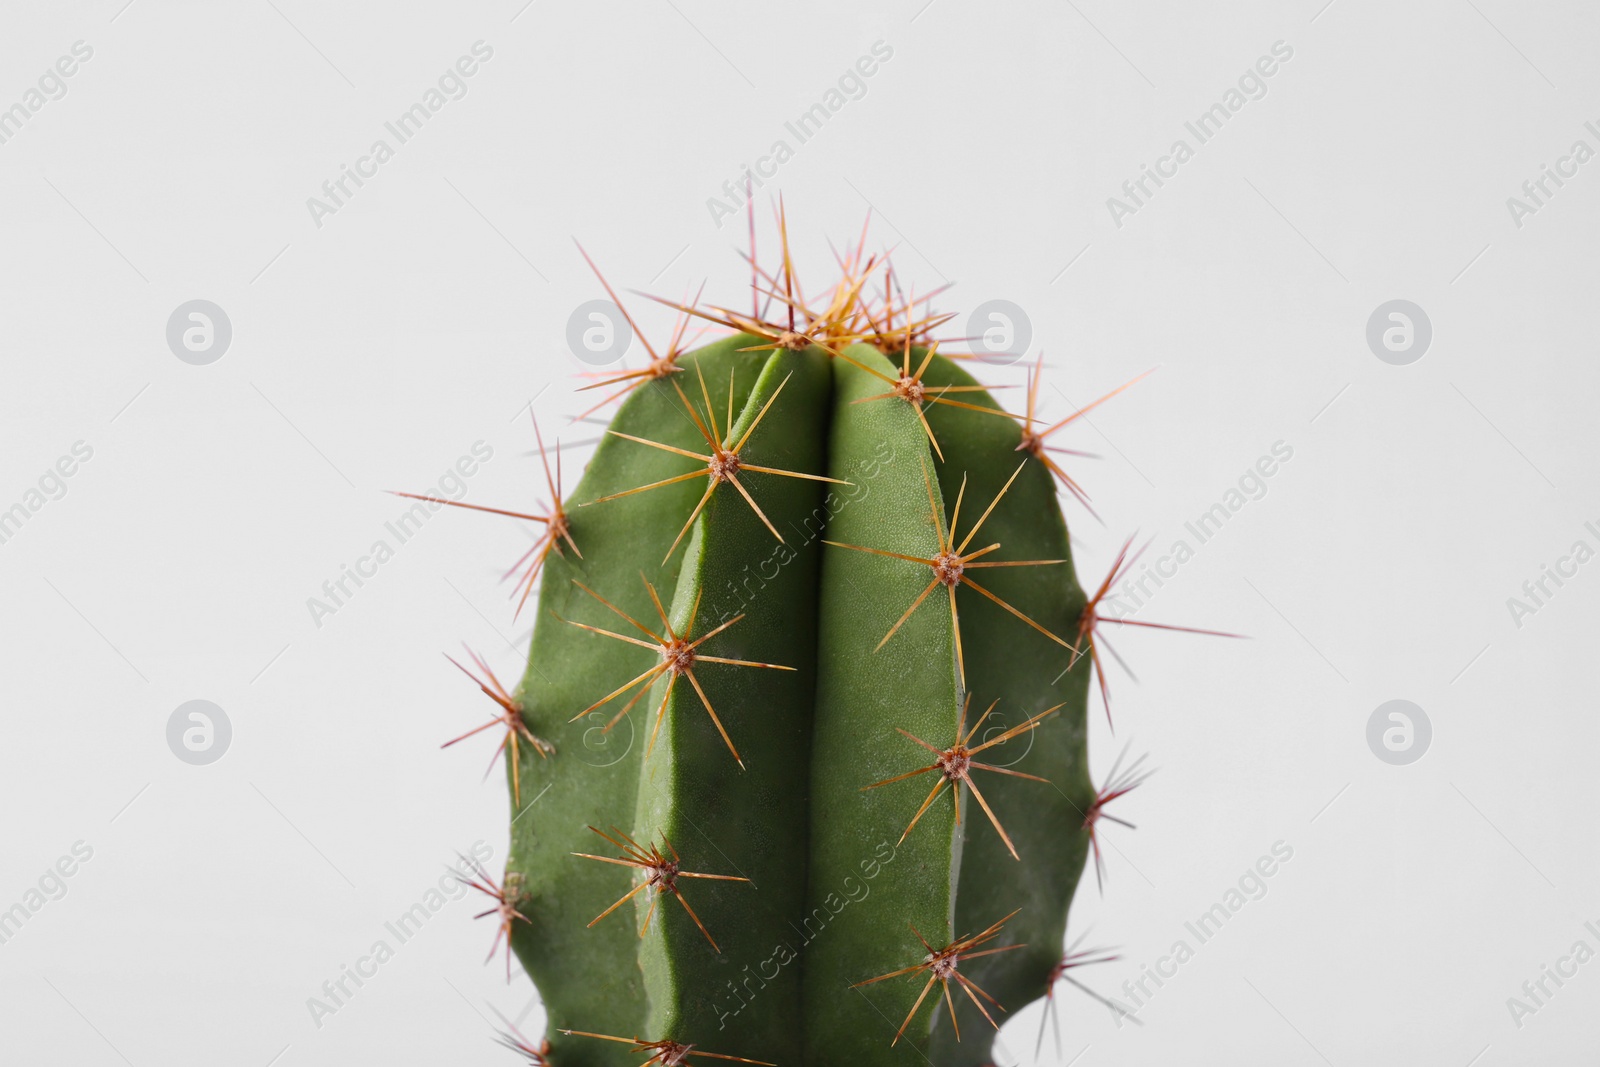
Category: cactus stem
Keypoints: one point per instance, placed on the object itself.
(941, 965)
(955, 765)
(665, 1053)
(834, 323)
(846, 308)
(678, 654)
(504, 906)
(950, 565)
(1090, 641)
(557, 525)
(1120, 782)
(661, 874)
(722, 465)
(804, 730)
(510, 716)
(1073, 958)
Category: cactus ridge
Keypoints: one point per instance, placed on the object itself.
(853, 447)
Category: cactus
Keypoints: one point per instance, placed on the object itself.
(798, 765)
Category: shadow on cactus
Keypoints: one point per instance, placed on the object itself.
(741, 645)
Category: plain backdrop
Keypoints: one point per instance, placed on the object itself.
(374, 346)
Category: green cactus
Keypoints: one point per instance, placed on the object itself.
(808, 710)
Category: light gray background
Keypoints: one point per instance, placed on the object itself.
(372, 352)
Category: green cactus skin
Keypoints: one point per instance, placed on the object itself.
(1021, 669)
(720, 818)
(590, 978)
(833, 891)
(862, 696)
